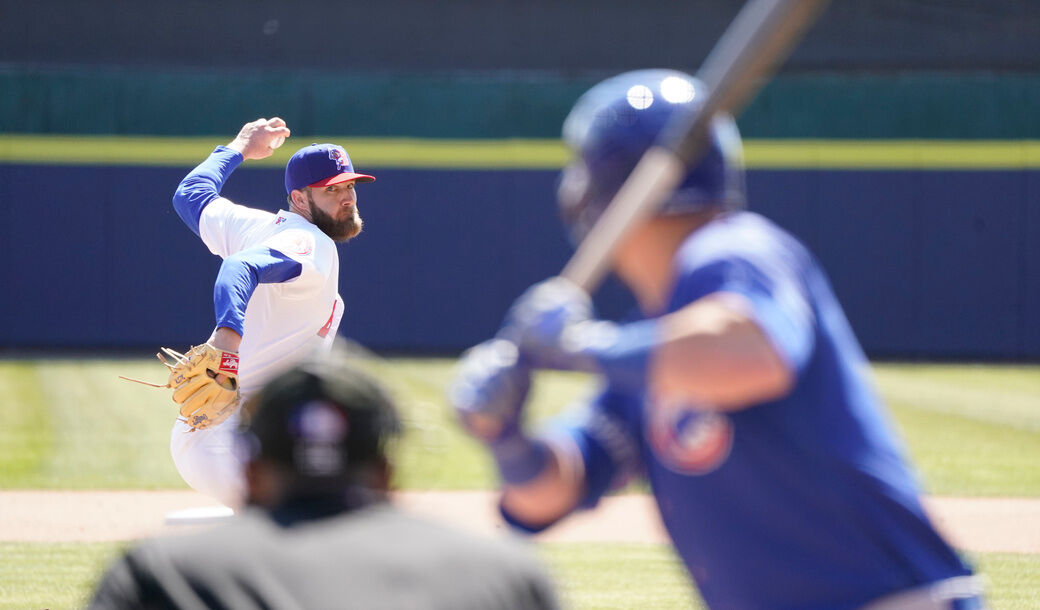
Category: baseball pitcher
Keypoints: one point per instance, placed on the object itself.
(275, 298)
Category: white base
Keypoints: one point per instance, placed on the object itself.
(203, 515)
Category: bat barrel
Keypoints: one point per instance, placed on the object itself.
(758, 40)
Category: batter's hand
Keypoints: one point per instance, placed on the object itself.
(489, 390)
(254, 139)
(553, 325)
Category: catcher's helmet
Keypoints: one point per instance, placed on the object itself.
(615, 122)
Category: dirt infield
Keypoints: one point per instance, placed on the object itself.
(1009, 525)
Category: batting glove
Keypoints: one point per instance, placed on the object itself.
(488, 395)
(489, 390)
(554, 326)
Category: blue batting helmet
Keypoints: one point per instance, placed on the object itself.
(615, 122)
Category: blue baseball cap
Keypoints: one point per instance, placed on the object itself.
(320, 165)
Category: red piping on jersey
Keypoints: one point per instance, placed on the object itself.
(324, 331)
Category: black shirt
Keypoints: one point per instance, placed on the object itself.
(371, 557)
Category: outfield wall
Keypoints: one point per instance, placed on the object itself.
(928, 262)
(918, 192)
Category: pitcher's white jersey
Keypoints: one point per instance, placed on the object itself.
(284, 321)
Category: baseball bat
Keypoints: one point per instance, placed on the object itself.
(755, 44)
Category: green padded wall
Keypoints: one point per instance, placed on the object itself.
(493, 105)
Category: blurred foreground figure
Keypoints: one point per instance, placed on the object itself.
(740, 394)
(318, 530)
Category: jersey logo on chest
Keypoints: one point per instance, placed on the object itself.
(688, 440)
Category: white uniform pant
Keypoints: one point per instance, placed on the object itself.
(207, 461)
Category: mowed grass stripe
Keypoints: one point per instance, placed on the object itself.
(434, 453)
(51, 575)
(1012, 579)
(591, 576)
(523, 153)
(108, 433)
(26, 436)
(619, 576)
(1006, 395)
(970, 430)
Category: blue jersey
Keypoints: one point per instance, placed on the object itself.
(802, 502)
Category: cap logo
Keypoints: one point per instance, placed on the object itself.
(319, 428)
(339, 156)
(320, 422)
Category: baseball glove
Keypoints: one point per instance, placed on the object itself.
(204, 382)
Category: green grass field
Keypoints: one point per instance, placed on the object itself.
(71, 424)
(588, 575)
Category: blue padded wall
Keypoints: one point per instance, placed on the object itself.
(936, 264)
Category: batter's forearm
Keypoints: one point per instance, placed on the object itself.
(203, 185)
(547, 498)
(714, 353)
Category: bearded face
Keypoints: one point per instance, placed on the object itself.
(335, 212)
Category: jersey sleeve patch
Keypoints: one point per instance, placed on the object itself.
(316, 251)
(301, 244)
(295, 243)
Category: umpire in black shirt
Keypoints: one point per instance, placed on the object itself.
(318, 530)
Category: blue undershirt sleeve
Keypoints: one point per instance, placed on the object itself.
(202, 185)
(606, 444)
(239, 276)
(605, 438)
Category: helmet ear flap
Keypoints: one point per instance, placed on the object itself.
(572, 192)
(581, 199)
